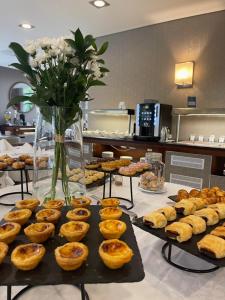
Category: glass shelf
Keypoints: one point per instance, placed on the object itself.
(113, 112)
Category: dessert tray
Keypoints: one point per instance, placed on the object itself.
(164, 190)
(94, 271)
(189, 246)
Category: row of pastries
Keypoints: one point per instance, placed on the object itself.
(191, 217)
(70, 256)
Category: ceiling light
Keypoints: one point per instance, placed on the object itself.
(26, 26)
(99, 3)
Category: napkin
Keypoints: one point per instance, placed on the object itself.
(5, 146)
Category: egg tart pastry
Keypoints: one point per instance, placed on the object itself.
(115, 253)
(179, 231)
(185, 207)
(28, 203)
(194, 193)
(155, 220)
(48, 215)
(9, 231)
(3, 251)
(27, 256)
(80, 202)
(197, 223)
(71, 255)
(109, 202)
(20, 216)
(212, 246)
(78, 214)
(39, 232)
(209, 215)
(23, 157)
(219, 231)
(54, 204)
(112, 229)
(74, 231)
(169, 212)
(219, 208)
(110, 213)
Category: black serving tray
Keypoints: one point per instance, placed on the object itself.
(94, 271)
(188, 246)
(173, 198)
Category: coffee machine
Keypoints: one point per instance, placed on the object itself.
(151, 117)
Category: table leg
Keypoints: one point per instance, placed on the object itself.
(9, 292)
(21, 183)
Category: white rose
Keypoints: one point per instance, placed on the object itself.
(42, 57)
(45, 43)
(31, 49)
(95, 68)
(34, 63)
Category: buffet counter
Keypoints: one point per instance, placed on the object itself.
(138, 148)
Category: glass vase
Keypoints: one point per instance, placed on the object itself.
(58, 155)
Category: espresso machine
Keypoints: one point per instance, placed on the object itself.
(151, 117)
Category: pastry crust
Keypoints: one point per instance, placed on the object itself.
(219, 231)
(182, 194)
(80, 202)
(179, 231)
(39, 232)
(185, 207)
(115, 253)
(112, 229)
(3, 165)
(197, 223)
(54, 204)
(219, 208)
(48, 215)
(27, 256)
(212, 246)
(74, 231)
(3, 251)
(198, 202)
(23, 157)
(194, 193)
(18, 165)
(155, 220)
(110, 213)
(169, 212)
(30, 204)
(78, 214)
(71, 256)
(20, 216)
(109, 202)
(9, 231)
(209, 215)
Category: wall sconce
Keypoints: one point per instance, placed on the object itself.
(184, 74)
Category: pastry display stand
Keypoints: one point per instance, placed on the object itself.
(93, 272)
(189, 247)
(130, 201)
(167, 255)
(84, 294)
(22, 192)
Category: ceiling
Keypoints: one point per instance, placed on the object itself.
(57, 17)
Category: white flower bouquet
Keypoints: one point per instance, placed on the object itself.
(60, 71)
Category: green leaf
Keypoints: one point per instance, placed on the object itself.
(21, 54)
(101, 61)
(24, 68)
(103, 48)
(96, 83)
(104, 70)
(17, 100)
(79, 39)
